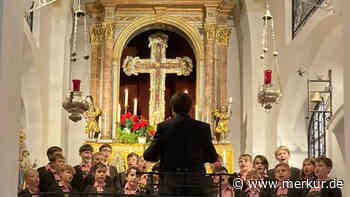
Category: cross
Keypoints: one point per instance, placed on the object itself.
(157, 66)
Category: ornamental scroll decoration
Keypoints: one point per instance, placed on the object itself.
(109, 30)
(222, 35)
(96, 34)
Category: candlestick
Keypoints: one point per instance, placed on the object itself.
(119, 111)
(135, 107)
(105, 130)
(196, 112)
(126, 97)
(224, 158)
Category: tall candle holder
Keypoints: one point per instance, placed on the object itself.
(126, 109)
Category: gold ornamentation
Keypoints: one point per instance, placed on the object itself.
(223, 35)
(188, 29)
(210, 30)
(158, 66)
(96, 34)
(222, 117)
(109, 29)
(92, 117)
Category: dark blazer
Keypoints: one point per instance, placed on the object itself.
(59, 193)
(294, 173)
(92, 189)
(327, 191)
(182, 145)
(271, 192)
(46, 179)
(24, 193)
(116, 183)
(78, 178)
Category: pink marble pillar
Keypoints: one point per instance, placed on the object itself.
(222, 39)
(107, 89)
(209, 70)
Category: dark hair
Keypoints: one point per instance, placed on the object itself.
(282, 165)
(181, 103)
(86, 147)
(57, 156)
(105, 146)
(132, 154)
(246, 155)
(52, 150)
(263, 160)
(132, 168)
(96, 166)
(326, 161)
(312, 161)
(220, 168)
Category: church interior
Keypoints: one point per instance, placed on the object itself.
(262, 73)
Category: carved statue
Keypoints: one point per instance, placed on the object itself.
(222, 117)
(92, 118)
(119, 162)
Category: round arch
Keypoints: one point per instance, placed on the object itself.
(134, 28)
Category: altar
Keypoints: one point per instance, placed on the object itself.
(225, 150)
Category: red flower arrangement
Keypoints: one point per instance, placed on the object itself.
(134, 124)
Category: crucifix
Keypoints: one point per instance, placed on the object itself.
(157, 66)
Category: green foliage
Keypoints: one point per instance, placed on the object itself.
(125, 136)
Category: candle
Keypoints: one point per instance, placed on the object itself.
(224, 158)
(105, 130)
(186, 92)
(126, 97)
(267, 76)
(135, 107)
(230, 100)
(119, 111)
(196, 112)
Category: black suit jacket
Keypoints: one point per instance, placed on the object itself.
(92, 189)
(271, 192)
(182, 143)
(46, 179)
(58, 191)
(328, 191)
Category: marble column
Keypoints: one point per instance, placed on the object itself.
(209, 70)
(96, 39)
(11, 69)
(107, 88)
(222, 39)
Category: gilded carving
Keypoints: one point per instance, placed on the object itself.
(158, 66)
(210, 30)
(109, 29)
(223, 35)
(96, 34)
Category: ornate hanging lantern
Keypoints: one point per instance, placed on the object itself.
(79, 14)
(270, 92)
(74, 103)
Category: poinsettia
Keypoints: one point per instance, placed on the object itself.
(140, 127)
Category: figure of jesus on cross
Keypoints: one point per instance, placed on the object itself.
(158, 66)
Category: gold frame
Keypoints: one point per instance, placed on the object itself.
(128, 31)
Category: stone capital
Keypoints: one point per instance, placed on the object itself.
(109, 29)
(223, 35)
(210, 30)
(96, 34)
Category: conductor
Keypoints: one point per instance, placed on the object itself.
(182, 145)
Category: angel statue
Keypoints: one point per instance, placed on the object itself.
(92, 116)
(221, 117)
